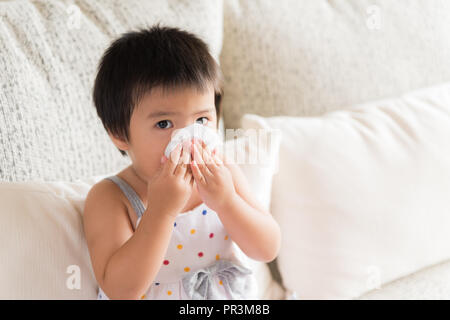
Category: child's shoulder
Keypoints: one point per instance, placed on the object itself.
(104, 196)
(105, 222)
(104, 189)
(105, 200)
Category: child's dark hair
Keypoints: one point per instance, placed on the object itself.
(138, 61)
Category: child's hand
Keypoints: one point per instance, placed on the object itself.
(214, 180)
(171, 186)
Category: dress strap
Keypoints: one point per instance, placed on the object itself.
(129, 192)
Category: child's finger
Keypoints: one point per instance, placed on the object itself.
(200, 163)
(205, 146)
(209, 161)
(191, 180)
(217, 159)
(196, 173)
(174, 158)
(188, 174)
(201, 151)
(183, 162)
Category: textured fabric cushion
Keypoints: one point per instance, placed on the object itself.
(49, 129)
(429, 283)
(362, 195)
(304, 58)
(44, 252)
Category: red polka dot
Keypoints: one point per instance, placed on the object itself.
(166, 262)
(200, 254)
(211, 235)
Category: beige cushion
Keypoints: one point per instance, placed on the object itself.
(44, 252)
(304, 58)
(42, 241)
(362, 196)
(49, 128)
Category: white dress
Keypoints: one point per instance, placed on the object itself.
(201, 261)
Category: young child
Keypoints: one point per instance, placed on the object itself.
(167, 228)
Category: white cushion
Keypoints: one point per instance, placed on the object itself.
(49, 128)
(43, 248)
(362, 195)
(305, 58)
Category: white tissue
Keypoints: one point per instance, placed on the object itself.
(195, 130)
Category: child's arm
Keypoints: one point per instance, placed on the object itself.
(225, 189)
(248, 223)
(124, 263)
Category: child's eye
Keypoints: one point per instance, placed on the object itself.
(203, 118)
(164, 124)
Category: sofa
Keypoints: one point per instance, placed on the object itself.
(358, 181)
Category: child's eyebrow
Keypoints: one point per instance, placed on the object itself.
(168, 113)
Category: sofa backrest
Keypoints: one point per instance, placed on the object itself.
(49, 129)
(305, 58)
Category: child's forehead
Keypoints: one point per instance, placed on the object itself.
(176, 99)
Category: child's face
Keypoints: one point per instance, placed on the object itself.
(157, 116)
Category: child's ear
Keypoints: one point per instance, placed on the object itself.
(118, 142)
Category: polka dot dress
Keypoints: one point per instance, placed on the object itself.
(198, 240)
